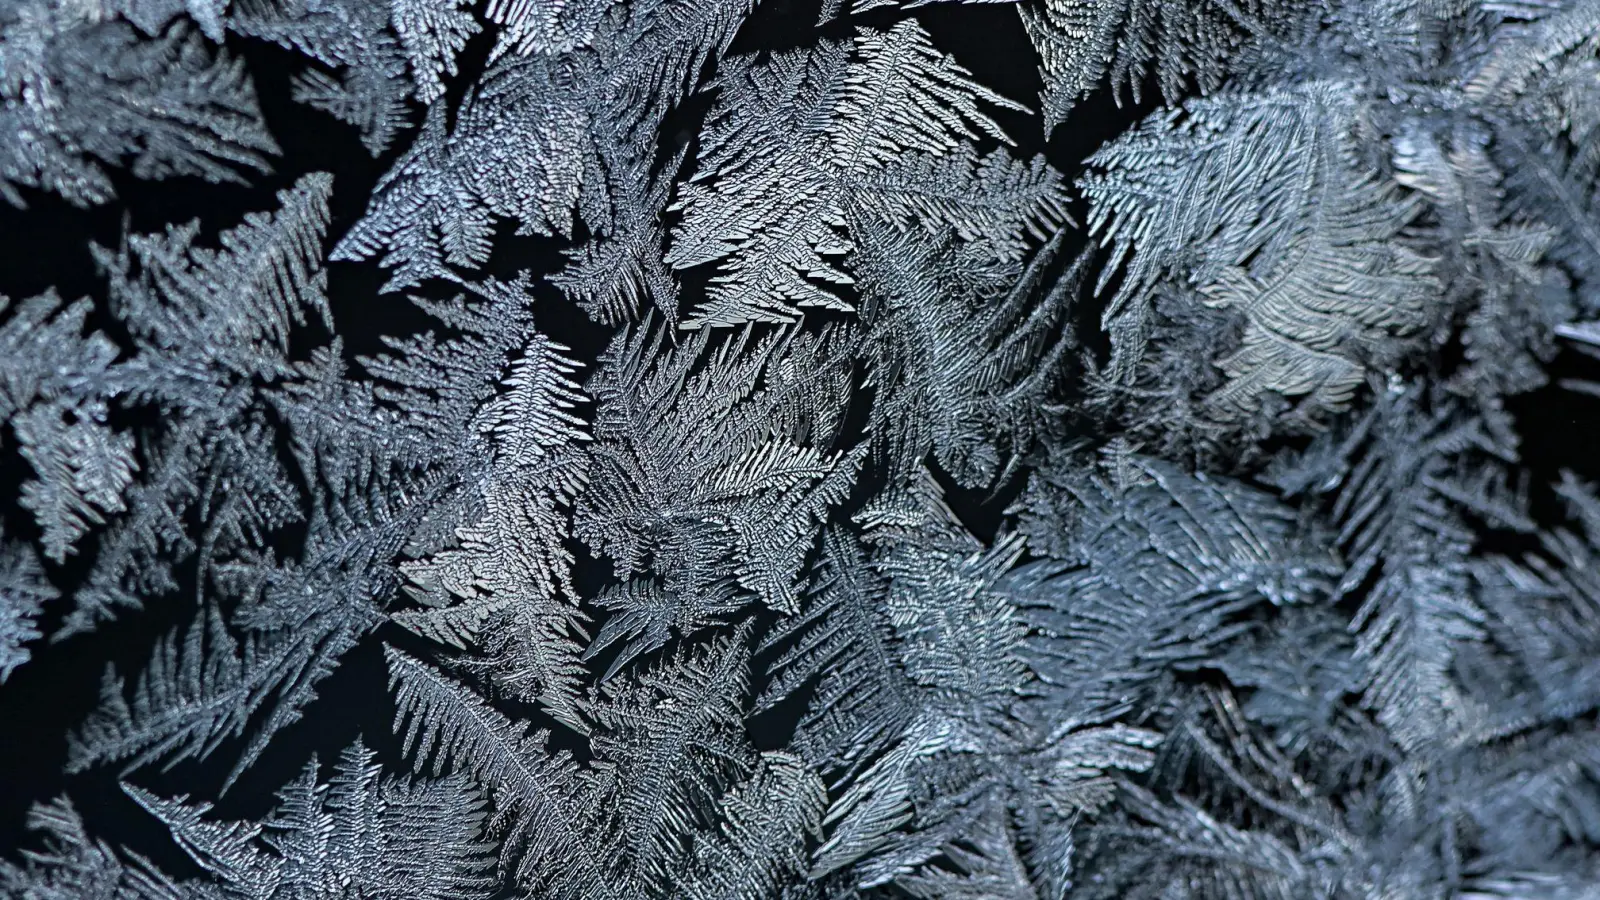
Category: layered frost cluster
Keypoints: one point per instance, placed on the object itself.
(931, 518)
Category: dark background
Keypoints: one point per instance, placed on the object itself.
(48, 245)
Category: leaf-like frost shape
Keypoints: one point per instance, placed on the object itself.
(246, 297)
(216, 339)
(202, 689)
(1182, 847)
(1257, 203)
(799, 143)
(1153, 552)
(841, 645)
(384, 838)
(544, 26)
(374, 44)
(355, 36)
(1384, 189)
(667, 739)
(432, 33)
(1298, 675)
(212, 333)
(987, 865)
(967, 647)
(520, 149)
(83, 470)
(712, 466)
(542, 134)
(1406, 476)
(23, 593)
(1534, 86)
(1522, 55)
(760, 845)
(535, 791)
(959, 364)
(966, 730)
(1499, 259)
(52, 392)
(613, 276)
(1542, 611)
(652, 53)
(1130, 43)
(1082, 42)
(73, 865)
(510, 568)
(77, 95)
(1411, 620)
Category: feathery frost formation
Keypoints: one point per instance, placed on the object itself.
(812, 481)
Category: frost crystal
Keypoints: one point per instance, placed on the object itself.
(765, 488)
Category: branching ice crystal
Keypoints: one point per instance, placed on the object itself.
(771, 490)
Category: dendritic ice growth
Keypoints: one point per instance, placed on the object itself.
(769, 450)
